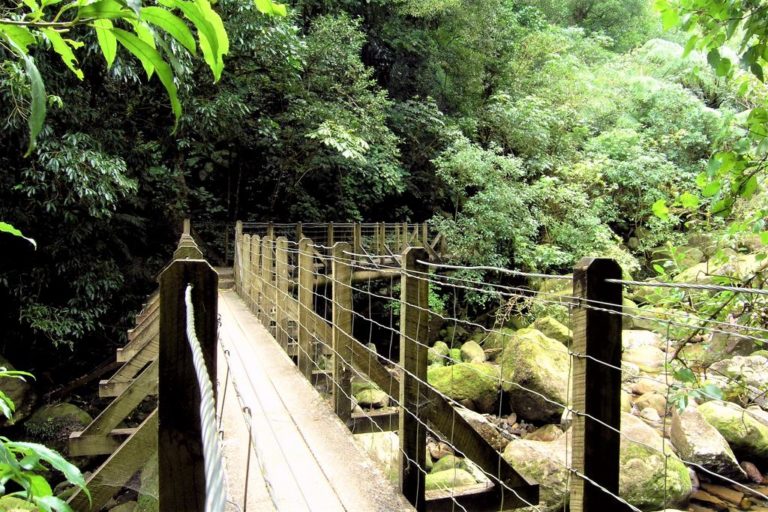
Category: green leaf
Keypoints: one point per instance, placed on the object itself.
(689, 200)
(20, 36)
(723, 67)
(764, 237)
(749, 187)
(757, 70)
(685, 375)
(670, 19)
(690, 45)
(56, 461)
(61, 47)
(106, 39)
(145, 34)
(146, 53)
(206, 34)
(712, 391)
(711, 188)
(54, 503)
(660, 209)
(171, 24)
(271, 8)
(105, 9)
(37, 101)
(39, 486)
(659, 269)
(713, 57)
(8, 228)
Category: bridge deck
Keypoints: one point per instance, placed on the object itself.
(303, 456)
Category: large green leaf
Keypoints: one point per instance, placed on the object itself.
(146, 53)
(105, 9)
(172, 24)
(106, 39)
(21, 36)
(61, 47)
(209, 35)
(144, 33)
(54, 459)
(8, 228)
(271, 8)
(37, 97)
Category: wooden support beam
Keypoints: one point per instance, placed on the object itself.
(406, 237)
(596, 385)
(373, 422)
(357, 238)
(237, 267)
(88, 446)
(306, 278)
(108, 420)
(425, 235)
(181, 477)
(414, 335)
(139, 338)
(330, 236)
(150, 306)
(119, 468)
(281, 292)
(122, 378)
(271, 230)
(381, 237)
(341, 293)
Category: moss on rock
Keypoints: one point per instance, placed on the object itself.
(478, 382)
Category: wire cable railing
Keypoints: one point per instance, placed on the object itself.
(367, 301)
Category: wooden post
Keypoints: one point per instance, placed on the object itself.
(246, 266)
(181, 480)
(306, 307)
(357, 238)
(341, 311)
(330, 236)
(406, 237)
(299, 231)
(281, 292)
(424, 234)
(266, 280)
(255, 272)
(381, 237)
(186, 227)
(414, 335)
(236, 263)
(271, 230)
(396, 247)
(596, 385)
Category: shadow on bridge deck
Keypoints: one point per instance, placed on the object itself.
(303, 457)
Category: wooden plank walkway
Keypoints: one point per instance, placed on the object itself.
(306, 456)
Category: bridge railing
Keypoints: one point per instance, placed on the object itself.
(355, 319)
(171, 354)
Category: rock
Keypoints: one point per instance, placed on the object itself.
(744, 375)
(359, 384)
(556, 285)
(642, 479)
(472, 352)
(654, 401)
(629, 307)
(485, 428)
(455, 355)
(438, 353)
(497, 339)
(752, 472)
(699, 442)
(437, 449)
(746, 435)
(554, 329)
(649, 359)
(545, 463)
(20, 392)
(626, 401)
(448, 479)
(454, 335)
(384, 448)
(650, 414)
(648, 385)
(546, 433)
(633, 339)
(449, 462)
(468, 381)
(535, 362)
(52, 424)
(11, 504)
(375, 398)
(739, 266)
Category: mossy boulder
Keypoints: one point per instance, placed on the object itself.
(472, 352)
(384, 449)
(51, 424)
(438, 353)
(532, 365)
(455, 355)
(20, 391)
(360, 384)
(497, 339)
(448, 479)
(476, 382)
(374, 398)
(745, 434)
(450, 461)
(554, 329)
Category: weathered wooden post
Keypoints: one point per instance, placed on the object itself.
(341, 311)
(254, 272)
(596, 385)
(271, 230)
(424, 234)
(236, 265)
(181, 479)
(357, 238)
(406, 236)
(299, 231)
(306, 307)
(245, 264)
(396, 240)
(266, 280)
(381, 237)
(330, 236)
(281, 292)
(414, 335)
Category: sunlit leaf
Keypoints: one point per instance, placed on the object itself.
(170, 23)
(8, 228)
(106, 39)
(61, 47)
(660, 209)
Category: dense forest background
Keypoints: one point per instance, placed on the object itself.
(531, 133)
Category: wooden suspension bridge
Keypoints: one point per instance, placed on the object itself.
(287, 446)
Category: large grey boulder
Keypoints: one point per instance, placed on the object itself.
(745, 431)
(699, 442)
(472, 352)
(534, 371)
